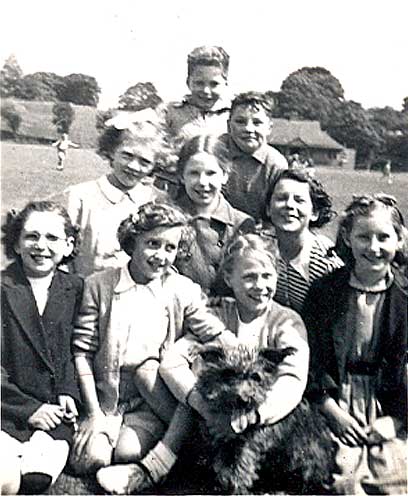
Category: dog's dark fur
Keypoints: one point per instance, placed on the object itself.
(294, 455)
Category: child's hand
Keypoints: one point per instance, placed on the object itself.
(47, 417)
(383, 429)
(344, 426)
(68, 405)
(97, 424)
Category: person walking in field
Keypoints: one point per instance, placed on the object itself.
(387, 172)
(63, 144)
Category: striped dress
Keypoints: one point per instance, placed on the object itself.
(292, 286)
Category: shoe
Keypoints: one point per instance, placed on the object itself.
(124, 479)
(60, 167)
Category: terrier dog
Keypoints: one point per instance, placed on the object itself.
(294, 455)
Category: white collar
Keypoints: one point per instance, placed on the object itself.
(115, 195)
(126, 282)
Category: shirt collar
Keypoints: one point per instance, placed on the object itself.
(223, 212)
(115, 195)
(126, 282)
(259, 155)
(223, 103)
(377, 288)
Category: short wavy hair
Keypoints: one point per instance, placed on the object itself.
(321, 200)
(15, 221)
(149, 217)
(249, 245)
(154, 134)
(363, 206)
(214, 56)
(255, 100)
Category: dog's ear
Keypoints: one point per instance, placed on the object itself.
(212, 354)
(273, 356)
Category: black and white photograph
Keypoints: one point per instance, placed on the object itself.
(204, 247)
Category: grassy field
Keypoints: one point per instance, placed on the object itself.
(28, 172)
(37, 122)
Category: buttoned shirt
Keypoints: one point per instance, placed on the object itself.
(185, 120)
(251, 176)
(98, 208)
(211, 234)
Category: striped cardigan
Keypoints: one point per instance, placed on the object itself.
(292, 287)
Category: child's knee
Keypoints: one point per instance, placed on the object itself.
(96, 454)
(133, 445)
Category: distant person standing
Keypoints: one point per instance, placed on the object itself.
(62, 146)
(387, 172)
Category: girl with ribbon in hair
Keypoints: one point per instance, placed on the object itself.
(133, 144)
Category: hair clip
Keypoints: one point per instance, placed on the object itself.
(132, 121)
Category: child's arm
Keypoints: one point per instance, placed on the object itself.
(180, 365)
(85, 343)
(198, 320)
(346, 427)
(292, 373)
(26, 410)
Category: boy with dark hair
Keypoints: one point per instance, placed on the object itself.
(255, 163)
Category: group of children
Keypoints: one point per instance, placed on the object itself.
(100, 339)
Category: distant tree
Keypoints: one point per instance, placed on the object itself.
(41, 86)
(350, 124)
(80, 89)
(10, 77)
(385, 119)
(11, 115)
(273, 97)
(139, 97)
(405, 104)
(310, 93)
(63, 116)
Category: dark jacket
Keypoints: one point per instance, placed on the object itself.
(325, 304)
(36, 359)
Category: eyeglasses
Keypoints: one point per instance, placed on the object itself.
(33, 238)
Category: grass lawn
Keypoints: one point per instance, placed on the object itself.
(28, 172)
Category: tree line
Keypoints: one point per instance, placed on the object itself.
(310, 93)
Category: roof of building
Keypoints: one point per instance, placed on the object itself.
(301, 134)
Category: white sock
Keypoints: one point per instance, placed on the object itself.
(159, 461)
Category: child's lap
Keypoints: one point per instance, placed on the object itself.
(144, 418)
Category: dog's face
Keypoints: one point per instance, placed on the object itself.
(237, 378)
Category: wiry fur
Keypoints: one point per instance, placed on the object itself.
(294, 455)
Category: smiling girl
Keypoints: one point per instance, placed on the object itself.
(129, 316)
(203, 169)
(131, 144)
(357, 322)
(255, 321)
(296, 205)
(39, 393)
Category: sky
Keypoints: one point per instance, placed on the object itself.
(363, 43)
